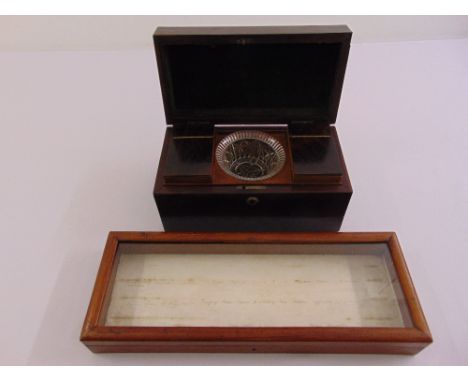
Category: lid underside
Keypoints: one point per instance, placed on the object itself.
(251, 78)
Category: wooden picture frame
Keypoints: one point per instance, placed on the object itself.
(100, 338)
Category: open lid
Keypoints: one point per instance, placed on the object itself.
(251, 74)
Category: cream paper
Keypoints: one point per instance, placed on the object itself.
(253, 290)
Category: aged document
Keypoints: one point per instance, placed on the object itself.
(253, 290)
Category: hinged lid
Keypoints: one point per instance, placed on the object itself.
(252, 74)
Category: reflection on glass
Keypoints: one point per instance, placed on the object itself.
(343, 285)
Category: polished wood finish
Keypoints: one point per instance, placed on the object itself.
(312, 35)
(313, 190)
(297, 206)
(316, 157)
(312, 157)
(99, 338)
(188, 159)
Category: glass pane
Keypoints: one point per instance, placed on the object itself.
(246, 285)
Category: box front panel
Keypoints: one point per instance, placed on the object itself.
(252, 211)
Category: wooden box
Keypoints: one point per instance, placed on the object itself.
(254, 292)
(235, 85)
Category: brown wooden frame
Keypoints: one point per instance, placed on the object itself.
(100, 338)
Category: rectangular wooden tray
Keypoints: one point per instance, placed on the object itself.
(254, 292)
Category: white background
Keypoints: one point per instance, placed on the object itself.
(82, 122)
(134, 32)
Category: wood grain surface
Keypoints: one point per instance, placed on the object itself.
(102, 338)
